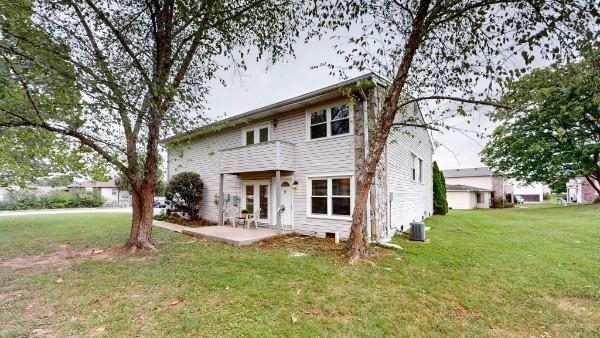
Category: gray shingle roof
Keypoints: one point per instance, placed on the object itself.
(461, 187)
(469, 172)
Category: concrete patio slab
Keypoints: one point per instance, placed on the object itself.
(224, 234)
(230, 235)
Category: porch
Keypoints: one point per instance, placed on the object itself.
(223, 234)
(264, 185)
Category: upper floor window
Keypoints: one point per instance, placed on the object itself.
(256, 134)
(330, 122)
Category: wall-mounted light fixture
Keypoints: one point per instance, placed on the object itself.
(295, 185)
(275, 123)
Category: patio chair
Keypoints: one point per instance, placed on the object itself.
(253, 219)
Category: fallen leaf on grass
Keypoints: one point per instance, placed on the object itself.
(40, 331)
(60, 280)
(294, 319)
(97, 251)
(101, 329)
(173, 303)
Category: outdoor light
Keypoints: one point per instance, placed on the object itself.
(295, 185)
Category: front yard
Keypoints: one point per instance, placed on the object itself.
(520, 272)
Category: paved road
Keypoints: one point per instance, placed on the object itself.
(67, 211)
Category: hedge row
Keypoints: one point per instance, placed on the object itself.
(53, 200)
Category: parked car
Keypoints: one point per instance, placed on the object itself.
(519, 199)
(160, 202)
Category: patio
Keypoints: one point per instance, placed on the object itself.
(224, 234)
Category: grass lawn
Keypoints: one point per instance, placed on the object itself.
(531, 271)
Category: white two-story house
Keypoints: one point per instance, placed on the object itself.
(293, 164)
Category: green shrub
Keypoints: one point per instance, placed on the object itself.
(21, 200)
(162, 216)
(596, 200)
(440, 202)
(184, 194)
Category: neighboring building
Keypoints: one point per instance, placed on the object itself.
(111, 195)
(296, 161)
(579, 190)
(481, 177)
(533, 192)
(466, 197)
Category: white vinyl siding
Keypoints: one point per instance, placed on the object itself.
(412, 189)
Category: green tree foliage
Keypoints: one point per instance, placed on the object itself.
(440, 202)
(446, 50)
(184, 194)
(113, 77)
(553, 132)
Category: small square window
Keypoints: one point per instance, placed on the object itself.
(250, 137)
(318, 131)
(263, 134)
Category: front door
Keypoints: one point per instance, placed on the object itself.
(255, 197)
(286, 202)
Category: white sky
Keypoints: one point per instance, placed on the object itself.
(261, 85)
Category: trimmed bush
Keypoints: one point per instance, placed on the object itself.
(440, 202)
(184, 194)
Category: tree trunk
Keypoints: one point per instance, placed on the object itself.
(594, 185)
(357, 245)
(140, 236)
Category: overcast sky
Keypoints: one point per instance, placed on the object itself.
(261, 85)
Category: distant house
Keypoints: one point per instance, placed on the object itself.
(480, 178)
(112, 196)
(579, 190)
(466, 197)
(530, 192)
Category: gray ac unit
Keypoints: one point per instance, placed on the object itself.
(417, 231)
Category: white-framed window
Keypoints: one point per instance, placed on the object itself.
(331, 121)
(479, 197)
(416, 168)
(256, 134)
(330, 196)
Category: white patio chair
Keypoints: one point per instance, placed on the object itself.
(253, 219)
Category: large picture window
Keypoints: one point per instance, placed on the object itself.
(329, 122)
(330, 196)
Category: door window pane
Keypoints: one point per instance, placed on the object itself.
(264, 201)
(250, 137)
(319, 205)
(250, 198)
(340, 206)
(263, 134)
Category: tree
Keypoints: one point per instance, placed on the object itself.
(184, 193)
(441, 50)
(553, 132)
(138, 67)
(440, 203)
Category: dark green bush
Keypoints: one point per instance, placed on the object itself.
(440, 203)
(184, 194)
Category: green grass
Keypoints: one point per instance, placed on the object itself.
(515, 272)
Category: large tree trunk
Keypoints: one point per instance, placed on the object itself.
(357, 245)
(140, 236)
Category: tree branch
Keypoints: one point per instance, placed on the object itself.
(453, 98)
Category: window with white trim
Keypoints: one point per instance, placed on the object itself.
(330, 196)
(328, 122)
(416, 168)
(255, 135)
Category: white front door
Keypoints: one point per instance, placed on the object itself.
(255, 195)
(286, 202)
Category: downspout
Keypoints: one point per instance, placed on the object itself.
(366, 143)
